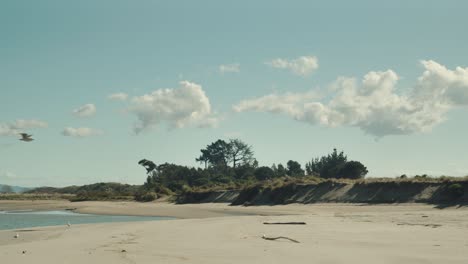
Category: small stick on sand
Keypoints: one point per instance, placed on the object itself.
(284, 223)
(275, 238)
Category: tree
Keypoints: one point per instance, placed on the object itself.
(240, 153)
(281, 171)
(327, 166)
(336, 165)
(216, 154)
(278, 170)
(353, 170)
(263, 173)
(204, 157)
(220, 153)
(148, 164)
(294, 168)
(274, 168)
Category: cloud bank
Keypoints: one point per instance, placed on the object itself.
(81, 132)
(19, 126)
(302, 66)
(180, 107)
(373, 104)
(86, 110)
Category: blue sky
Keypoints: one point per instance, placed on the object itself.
(376, 79)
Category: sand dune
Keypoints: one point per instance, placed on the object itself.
(334, 233)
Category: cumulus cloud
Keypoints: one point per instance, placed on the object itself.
(302, 66)
(81, 132)
(86, 110)
(118, 96)
(187, 105)
(13, 129)
(229, 68)
(373, 105)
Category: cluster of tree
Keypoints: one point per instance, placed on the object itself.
(336, 165)
(220, 154)
(233, 162)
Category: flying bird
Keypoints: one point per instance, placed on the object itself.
(26, 137)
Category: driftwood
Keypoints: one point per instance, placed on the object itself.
(284, 223)
(275, 238)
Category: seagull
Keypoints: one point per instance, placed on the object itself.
(68, 224)
(26, 137)
(17, 235)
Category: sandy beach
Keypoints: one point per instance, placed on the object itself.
(219, 233)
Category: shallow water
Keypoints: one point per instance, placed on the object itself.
(27, 219)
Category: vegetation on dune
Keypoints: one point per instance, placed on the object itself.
(231, 165)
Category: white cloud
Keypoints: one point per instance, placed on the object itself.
(287, 103)
(118, 96)
(228, 68)
(19, 126)
(187, 105)
(438, 81)
(86, 110)
(373, 105)
(81, 132)
(302, 66)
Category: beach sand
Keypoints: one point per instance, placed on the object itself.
(218, 233)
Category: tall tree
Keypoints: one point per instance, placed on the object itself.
(216, 154)
(221, 153)
(204, 157)
(294, 168)
(240, 153)
(281, 171)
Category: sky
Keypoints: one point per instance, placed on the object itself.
(102, 84)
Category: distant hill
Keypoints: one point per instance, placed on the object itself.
(16, 189)
(93, 192)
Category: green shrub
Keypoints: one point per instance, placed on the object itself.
(146, 196)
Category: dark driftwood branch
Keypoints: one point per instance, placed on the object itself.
(284, 223)
(275, 238)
